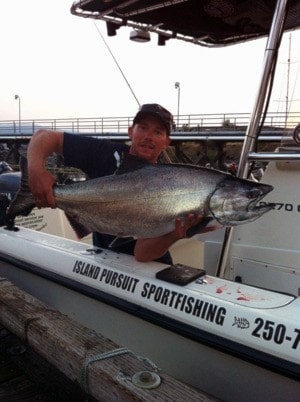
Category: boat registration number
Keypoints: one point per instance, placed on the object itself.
(270, 331)
(280, 206)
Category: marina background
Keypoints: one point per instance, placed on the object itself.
(59, 67)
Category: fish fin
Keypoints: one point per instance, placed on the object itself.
(130, 163)
(80, 230)
(192, 231)
(4, 203)
(120, 242)
(23, 202)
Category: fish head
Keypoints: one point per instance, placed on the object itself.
(235, 201)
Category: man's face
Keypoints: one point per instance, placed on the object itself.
(148, 138)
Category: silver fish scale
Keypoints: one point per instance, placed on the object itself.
(142, 203)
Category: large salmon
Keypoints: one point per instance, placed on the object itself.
(145, 201)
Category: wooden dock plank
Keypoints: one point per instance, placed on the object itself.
(24, 375)
(67, 345)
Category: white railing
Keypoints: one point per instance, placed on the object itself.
(112, 126)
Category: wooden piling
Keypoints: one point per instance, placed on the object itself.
(103, 369)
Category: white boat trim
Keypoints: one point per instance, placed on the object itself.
(258, 325)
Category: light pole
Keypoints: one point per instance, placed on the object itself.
(19, 99)
(177, 86)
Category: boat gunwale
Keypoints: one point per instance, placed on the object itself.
(265, 360)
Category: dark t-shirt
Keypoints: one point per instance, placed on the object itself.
(98, 158)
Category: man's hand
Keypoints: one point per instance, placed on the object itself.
(41, 185)
(151, 249)
(43, 144)
(182, 225)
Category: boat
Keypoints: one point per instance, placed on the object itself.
(229, 323)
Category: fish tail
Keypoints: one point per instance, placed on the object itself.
(23, 202)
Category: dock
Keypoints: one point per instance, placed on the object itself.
(26, 376)
(47, 356)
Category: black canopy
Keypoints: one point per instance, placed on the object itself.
(204, 22)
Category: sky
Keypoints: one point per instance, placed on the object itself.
(59, 66)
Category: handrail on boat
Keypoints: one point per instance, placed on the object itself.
(273, 156)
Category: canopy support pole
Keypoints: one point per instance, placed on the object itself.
(252, 130)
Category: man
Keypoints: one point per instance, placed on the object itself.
(149, 135)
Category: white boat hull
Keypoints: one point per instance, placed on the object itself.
(231, 340)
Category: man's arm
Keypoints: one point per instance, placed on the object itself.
(41, 181)
(150, 249)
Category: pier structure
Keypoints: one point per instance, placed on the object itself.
(192, 127)
(202, 139)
